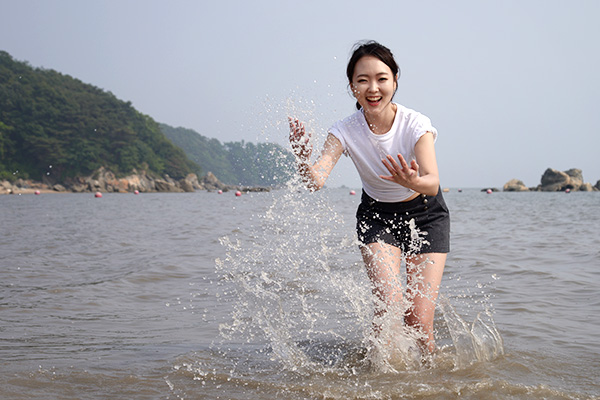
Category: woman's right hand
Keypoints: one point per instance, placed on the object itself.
(300, 140)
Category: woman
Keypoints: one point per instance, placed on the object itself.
(402, 214)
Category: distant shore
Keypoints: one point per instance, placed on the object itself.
(105, 181)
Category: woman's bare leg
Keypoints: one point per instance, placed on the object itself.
(424, 276)
(383, 269)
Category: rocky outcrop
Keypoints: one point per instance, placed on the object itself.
(104, 180)
(190, 183)
(557, 181)
(515, 185)
(210, 182)
(586, 187)
(23, 186)
(162, 185)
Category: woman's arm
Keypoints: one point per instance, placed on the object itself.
(313, 175)
(422, 175)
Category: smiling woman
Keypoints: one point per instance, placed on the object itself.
(381, 54)
(373, 85)
(402, 217)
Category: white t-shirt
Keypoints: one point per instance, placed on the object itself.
(367, 149)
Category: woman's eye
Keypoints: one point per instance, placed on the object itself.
(382, 79)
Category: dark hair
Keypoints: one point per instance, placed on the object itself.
(371, 48)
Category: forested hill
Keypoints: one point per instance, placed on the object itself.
(55, 126)
(235, 163)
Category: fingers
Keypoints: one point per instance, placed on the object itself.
(403, 166)
(403, 163)
(393, 166)
(294, 123)
(389, 166)
(414, 165)
(297, 129)
(400, 171)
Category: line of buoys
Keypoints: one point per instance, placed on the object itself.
(99, 194)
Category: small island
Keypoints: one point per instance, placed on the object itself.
(555, 181)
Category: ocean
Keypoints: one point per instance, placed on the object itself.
(264, 296)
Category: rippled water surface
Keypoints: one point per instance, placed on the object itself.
(207, 296)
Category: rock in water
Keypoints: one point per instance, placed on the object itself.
(557, 181)
(515, 185)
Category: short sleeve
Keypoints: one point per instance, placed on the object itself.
(420, 126)
(338, 130)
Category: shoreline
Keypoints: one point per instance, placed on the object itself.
(105, 181)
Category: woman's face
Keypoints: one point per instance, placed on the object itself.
(373, 85)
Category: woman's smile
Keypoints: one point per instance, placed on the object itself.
(374, 101)
(374, 85)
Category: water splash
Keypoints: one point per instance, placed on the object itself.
(300, 290)
(291, 284)
(479, 342)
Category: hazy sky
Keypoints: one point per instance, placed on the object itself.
(511, 86)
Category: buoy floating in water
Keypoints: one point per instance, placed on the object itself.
(37, 192)
(136, 192)
(352, 193)
(98, 194)
(489, 191)
(568, 190)
(220, 191)
(238, 193)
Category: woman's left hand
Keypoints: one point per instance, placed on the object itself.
(401, 172)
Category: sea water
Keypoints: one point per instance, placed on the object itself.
(208, 296)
